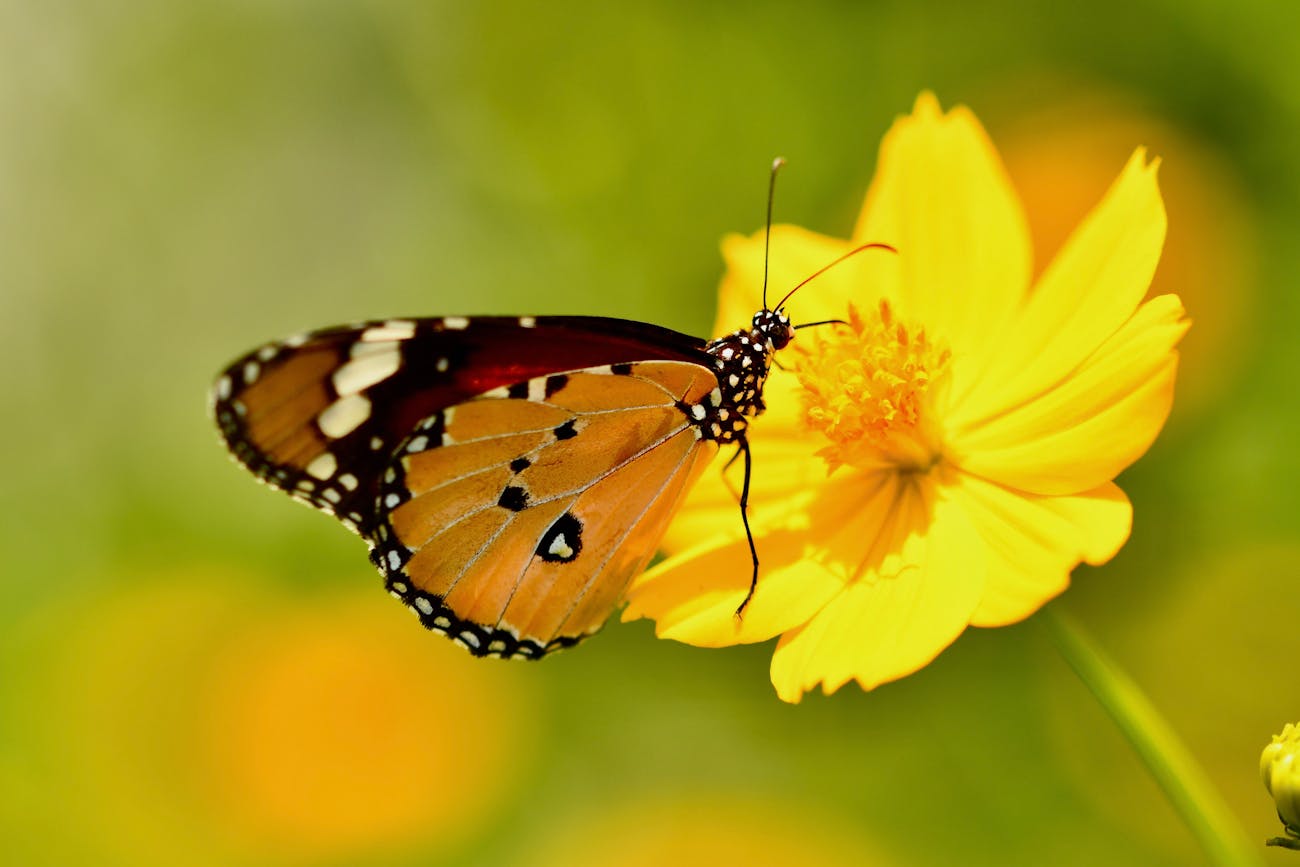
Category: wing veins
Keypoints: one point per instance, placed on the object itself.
(613, 549)
(479, 553)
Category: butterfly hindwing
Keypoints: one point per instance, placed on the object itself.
(513, 521)
(319, 415)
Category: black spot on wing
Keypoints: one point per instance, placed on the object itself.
(563, 541)
(555, 383)
(514, 498)
(566, 431)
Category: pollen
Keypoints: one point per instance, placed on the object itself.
(865, 388)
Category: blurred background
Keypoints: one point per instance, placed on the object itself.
(195, 671)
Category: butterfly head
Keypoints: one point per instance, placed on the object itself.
(773, 328)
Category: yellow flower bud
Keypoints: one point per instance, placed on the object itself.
(1279, 765)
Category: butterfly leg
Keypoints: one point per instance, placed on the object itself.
(726, 479)
(744, 517)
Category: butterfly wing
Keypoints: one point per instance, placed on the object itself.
(513, 521)
(319, 415)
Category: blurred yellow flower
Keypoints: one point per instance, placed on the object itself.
(1279, 765)
(970, 426)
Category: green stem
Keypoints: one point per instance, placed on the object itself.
(1173, 767)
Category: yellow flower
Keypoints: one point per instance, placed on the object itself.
(968, 427)
(1279, 765)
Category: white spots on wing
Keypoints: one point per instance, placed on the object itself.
(306, 485)
(746, 361)
(733, 380)
(393, 329)
(266, 353)
(537, 389)
(368, 368)
(715, 397)
(697, 412)
(455, 323)
(418, 444)
(344, 415)
(441, 622)
(296, 340)
(399, 586)
(499, 391)
(376, 444)
(728, 352)
(251, 371)
(392, 500)
(441, 365)
(527, 321)
(394, 561)
(224, 386)
(470, 638)
(348, 481)
(497, 646)
(239, 408)
(422, 603)
(333, 496)
(324, 466)
(716, 428)
(560, 548)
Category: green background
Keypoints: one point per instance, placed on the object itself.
(182, 181)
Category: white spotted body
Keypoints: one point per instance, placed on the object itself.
(742, 361)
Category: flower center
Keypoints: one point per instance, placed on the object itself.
(865, 386)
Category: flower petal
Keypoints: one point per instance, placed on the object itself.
(797, 254)
(693, 596)
(1086, 430)
(894, 620)
(1086, 293)
(824, 539)
(1033, 542)
(942, 197)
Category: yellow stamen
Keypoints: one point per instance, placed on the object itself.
(865, 388)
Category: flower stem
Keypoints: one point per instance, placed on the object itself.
(1165, 756)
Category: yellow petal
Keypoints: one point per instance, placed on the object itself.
(942, 197)
(1033, 542)
(797, 254)
(897, 618)
(1093, 424)
(824, 542)
(693, 596)
(1086, 293)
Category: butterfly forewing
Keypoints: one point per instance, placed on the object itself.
(319, 415)
(513, 521)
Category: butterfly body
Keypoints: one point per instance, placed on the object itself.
(510, 475)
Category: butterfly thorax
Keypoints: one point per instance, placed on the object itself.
(741, 363)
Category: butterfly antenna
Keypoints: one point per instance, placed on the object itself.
(820, 271)
(767, 231)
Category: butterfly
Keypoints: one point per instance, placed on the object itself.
(511, 475)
